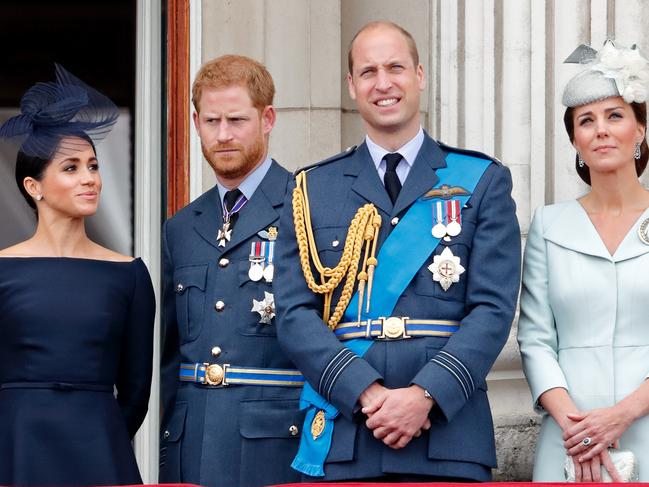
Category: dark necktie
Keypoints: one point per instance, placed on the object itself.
(391, 180)
(230, 199)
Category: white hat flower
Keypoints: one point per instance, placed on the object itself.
(627, 68)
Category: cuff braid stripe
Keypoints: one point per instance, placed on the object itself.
(466, 394)
(349, 360)
(459, 362)
(340, 360)
(325, 372)
(457, 370)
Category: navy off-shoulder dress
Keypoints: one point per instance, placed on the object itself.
(76, 341)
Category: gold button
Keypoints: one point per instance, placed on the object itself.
(166, 434)
(223, 262)
(394, 221)
(293, 430)
(219, 306)
(180, 288)
(216, 351)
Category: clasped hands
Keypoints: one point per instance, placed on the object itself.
(396, 416)
(603, 427)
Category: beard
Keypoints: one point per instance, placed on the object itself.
(236, 165)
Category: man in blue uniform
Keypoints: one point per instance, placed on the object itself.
(396, 287)
(230, 410)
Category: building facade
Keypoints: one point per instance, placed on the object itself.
(494, 82)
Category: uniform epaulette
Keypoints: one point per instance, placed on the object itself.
(347, 152)
(469, 152)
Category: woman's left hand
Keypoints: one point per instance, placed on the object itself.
(603, 426)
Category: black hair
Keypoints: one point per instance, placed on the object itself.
(29, 167)
(34, 167)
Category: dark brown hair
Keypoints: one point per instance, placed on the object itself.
(412, 45)
(640, 112)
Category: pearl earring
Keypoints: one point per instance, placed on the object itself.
(39, 197)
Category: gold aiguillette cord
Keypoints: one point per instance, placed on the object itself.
(362, 237)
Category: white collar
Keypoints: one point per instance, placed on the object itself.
(249, 185)
(408, 151)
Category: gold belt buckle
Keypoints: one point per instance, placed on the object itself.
(393, 328)
(215, 374)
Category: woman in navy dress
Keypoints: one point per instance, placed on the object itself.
(76, 319)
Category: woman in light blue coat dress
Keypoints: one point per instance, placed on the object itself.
(583, 330)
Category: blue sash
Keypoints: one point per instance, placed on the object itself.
(411, 237)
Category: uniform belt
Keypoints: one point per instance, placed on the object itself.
(61, 386)
(395, 328)
(227, 375)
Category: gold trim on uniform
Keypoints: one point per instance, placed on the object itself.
(357, 261)
(214, 374)
(318, 424)
(446, 192)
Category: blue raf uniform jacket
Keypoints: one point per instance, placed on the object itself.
(239, 435)
(453, 369)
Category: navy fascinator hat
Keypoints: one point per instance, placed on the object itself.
(53, 114)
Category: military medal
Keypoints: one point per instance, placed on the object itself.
(269, 269)
(256, 272)
(318, 424)
(265, 308)
(256, 258)
(453, 214)
(439, 229)
(643, 231)
(446, 269)
(225, 234)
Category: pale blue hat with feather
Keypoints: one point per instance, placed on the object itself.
(613, 71)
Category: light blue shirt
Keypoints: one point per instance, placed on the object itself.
(250, 183)
(409, 151)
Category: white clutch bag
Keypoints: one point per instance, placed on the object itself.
(624, 461)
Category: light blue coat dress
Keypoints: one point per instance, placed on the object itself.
(584, 324)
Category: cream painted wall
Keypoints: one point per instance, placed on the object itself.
(299, 42)
(495, 78)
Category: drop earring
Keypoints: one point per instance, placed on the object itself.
(580, 161)
(638, 152)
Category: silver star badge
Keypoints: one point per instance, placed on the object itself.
(224, 235)
(265, 308)
(446, 268)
